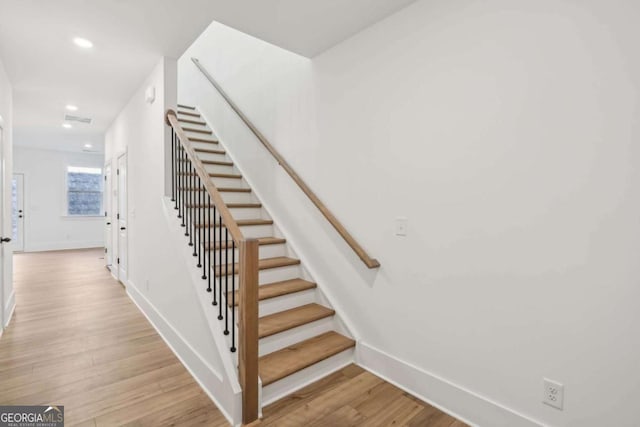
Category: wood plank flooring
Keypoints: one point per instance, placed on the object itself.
(77, 340)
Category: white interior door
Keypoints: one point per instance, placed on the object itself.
(3, 239)
(17, 211)
(108, 218)
(121, 216)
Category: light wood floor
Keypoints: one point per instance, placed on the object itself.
(77, 340)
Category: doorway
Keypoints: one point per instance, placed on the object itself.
(17, 212)
(108, 218)
(121, 217)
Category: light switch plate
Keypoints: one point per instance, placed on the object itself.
(401, 226)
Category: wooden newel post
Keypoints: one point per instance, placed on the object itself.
(248, 329)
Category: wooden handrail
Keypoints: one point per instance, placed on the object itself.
(248, 274)
(359, 250)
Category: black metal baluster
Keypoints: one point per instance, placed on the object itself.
(206, 257)
(200, 222)
(213, 270)
(220, 271)
(233, 296)
(193, 212)
(226, 282)
(173, 170)
(175, 162)
(183, 184)
(189, 203)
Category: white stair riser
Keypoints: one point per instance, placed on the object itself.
(265, 251)
(257, 230)
(219, 168)
(193, 125)
(276, 274)
(286, 302)
(228, 182)
(207, 144)
(302, 378)
(213, 156)
(292, 336)
(241, 213)
(198, 134)
(248, 213)
(230, 197)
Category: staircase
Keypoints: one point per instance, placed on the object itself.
(301, 338)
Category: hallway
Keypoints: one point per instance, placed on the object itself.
(77, 340)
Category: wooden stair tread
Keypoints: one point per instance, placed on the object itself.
(292, 318)
(240, 222)
(276, 289)
(263, 264)
(210, 162)
(234, 190)
(191, 121)
(207, 131)
(198, 139)
(229, 205)
(214, 175)
(262, 241)
(243, 205)
(208, 150)
(188, 113)
(220, 189)
(279, 364)
(188, 107)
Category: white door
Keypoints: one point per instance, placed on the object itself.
(121, 216)
(17, 211)
(108, 216)
(3, 239)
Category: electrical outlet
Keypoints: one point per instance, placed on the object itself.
(553, 393)
(146, 283)
(401, 226)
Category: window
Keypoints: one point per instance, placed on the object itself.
(84, 191)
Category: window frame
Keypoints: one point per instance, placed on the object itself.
(67, 214)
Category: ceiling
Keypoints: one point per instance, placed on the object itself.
(48, 71)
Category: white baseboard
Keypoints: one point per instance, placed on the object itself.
(62, 246)
(205, 375)
(466, 405)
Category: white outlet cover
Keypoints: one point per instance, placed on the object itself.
(553, 394)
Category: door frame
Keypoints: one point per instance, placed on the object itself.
(120, 212)
(22, 228)
(2, 246)
(107, 192)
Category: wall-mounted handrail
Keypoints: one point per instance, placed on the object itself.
(209, 238)
(357, 248)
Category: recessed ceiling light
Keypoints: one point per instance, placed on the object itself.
(88, 145)
(66, 125)
(71, 107)
(83, 43)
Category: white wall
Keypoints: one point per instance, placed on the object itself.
(506, 132)
(46, 223)
(161, 272)
(7, 296)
